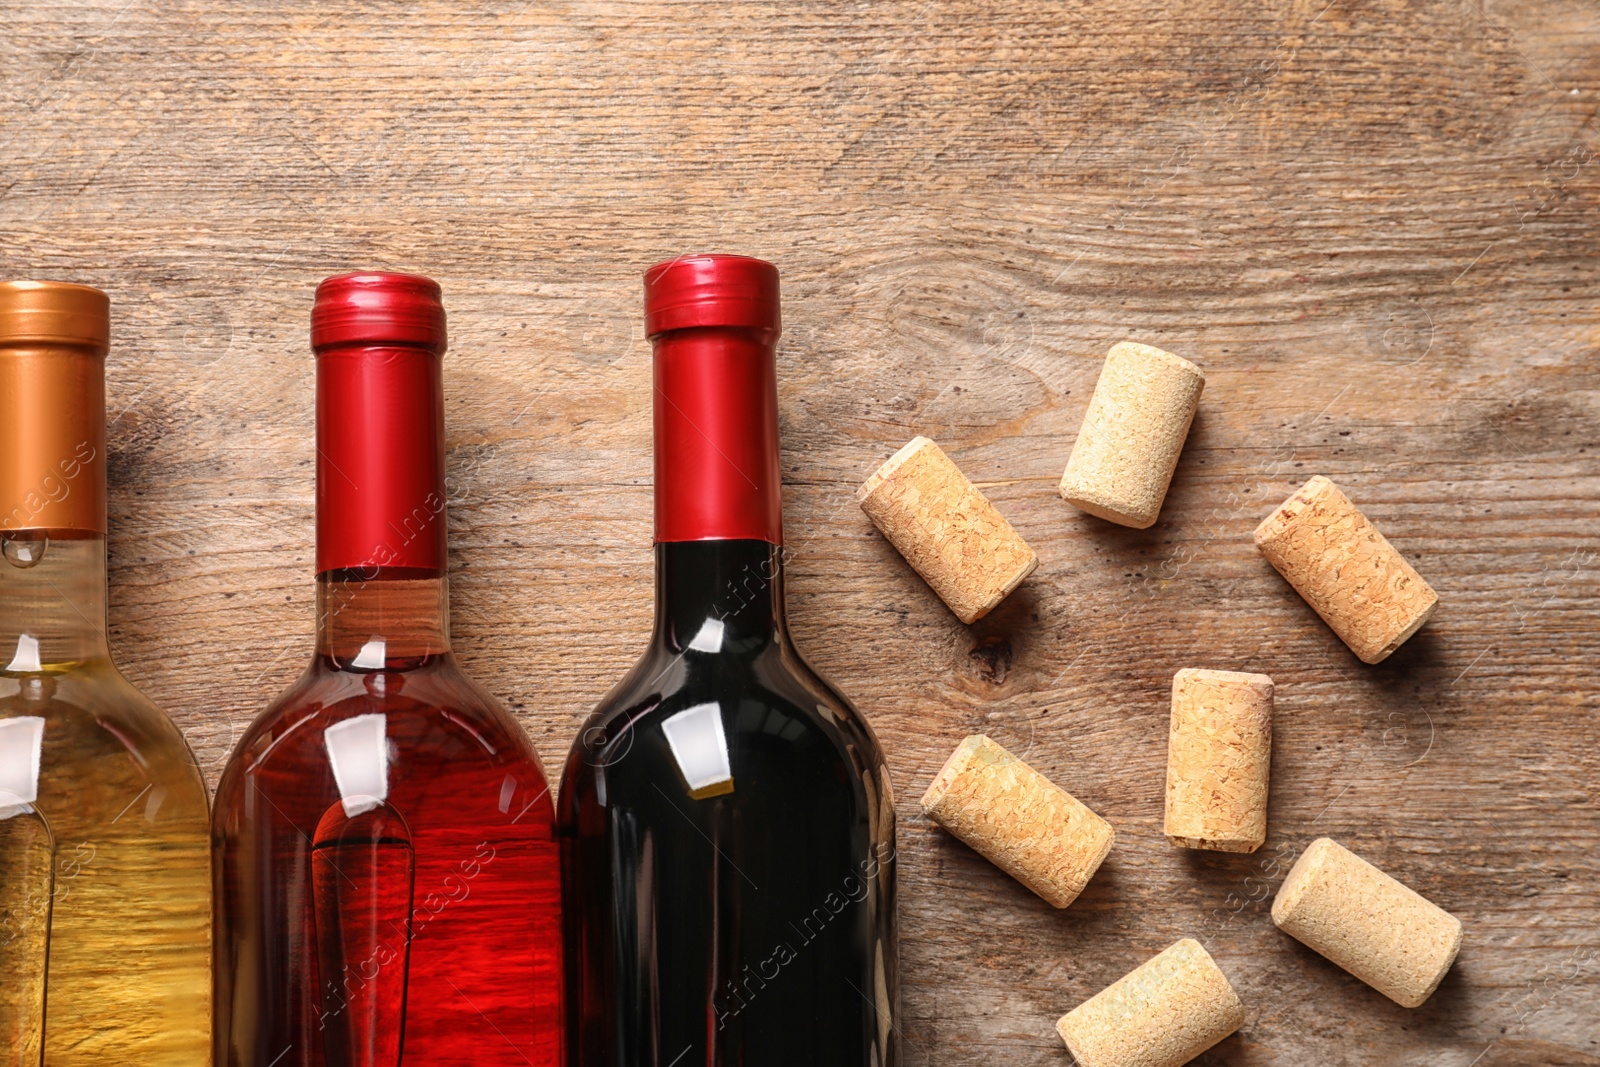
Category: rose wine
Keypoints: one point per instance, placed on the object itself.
(386, 869)
(105, 874)
(726, 823)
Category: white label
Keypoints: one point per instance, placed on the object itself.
(700, 747)
(21, 741)
(358, 749)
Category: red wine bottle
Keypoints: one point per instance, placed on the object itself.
(726, 824)
(384, 854)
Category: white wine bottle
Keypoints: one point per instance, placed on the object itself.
(105, 882)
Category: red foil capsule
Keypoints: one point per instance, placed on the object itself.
(380, 341)
(713, 322)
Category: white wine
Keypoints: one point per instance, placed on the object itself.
(121, 822)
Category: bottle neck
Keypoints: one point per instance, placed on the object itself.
(719, 596)
(382, 596)
(52, 601)
(53, 502)
(378, 620)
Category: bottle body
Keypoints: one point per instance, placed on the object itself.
(386, 877)
(728, 844)
(105, 884)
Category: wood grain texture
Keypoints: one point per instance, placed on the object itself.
(1372, 224)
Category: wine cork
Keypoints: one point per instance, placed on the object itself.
(1385, 933)
(1163, 1013)
(1346, 570)
(1219, 752)
(1019, 820)
(946, 529)
(1132, 434)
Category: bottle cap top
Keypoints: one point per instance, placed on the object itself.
(378, 308)
(711, 290)
(55, 313)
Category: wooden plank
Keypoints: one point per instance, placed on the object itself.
(1372, 224)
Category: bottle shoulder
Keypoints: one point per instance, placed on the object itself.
(98, 739)
(770, 702)
(95, 686)
(95, 689)
(776, 675)
(436, 704)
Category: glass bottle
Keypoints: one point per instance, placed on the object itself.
(105, 882)
(726, 822)
(386, 871)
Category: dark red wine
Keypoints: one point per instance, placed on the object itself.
(726, 824)
(387, 875)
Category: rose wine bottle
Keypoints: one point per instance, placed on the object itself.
(105, 874)
(726, 823)
(386, 870)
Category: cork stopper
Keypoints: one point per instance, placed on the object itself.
(1385, 933)
(1019, 820)
(1219, 753)
(946, 529)
(1346, 570)
(1163, 1013)
(1132, 434)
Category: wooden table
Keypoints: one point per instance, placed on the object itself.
(1373, 224)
